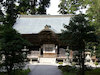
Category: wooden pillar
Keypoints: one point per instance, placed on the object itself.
(58, 49)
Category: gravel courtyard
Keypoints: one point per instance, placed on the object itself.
(44, 70)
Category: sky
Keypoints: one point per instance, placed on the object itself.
(53, 9)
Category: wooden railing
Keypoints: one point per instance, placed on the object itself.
(36, 54)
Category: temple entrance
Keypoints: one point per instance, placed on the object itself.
(49, 53)
(49, 48)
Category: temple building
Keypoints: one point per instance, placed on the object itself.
(43, 31)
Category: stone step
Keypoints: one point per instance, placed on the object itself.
(47, 60)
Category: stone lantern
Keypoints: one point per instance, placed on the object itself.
(67, 54)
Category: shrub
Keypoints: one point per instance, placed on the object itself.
(96, 63)
(67, 68)
(18, 72)
(60, 66)
(93, 72)
(22, 72)
(60, 62)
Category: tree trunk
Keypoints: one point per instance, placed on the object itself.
(83, 58)
(81, 63)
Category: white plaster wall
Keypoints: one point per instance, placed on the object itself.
(49, 45)
(47, 60)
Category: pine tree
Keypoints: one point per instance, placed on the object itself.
(93, 12)
(77, 34)
(11, 42)
(1, 21)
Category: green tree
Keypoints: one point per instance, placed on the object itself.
(94, 13)
(11, 41)
(33, 6)
(94, 17)
(1, 28)
(43, 4)
(12, 44)
(70, 6)
(11, 13)
(1, 20)
(77, 34)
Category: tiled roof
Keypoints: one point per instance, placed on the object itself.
(32, 24)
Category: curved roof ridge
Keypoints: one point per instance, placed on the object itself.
(43, 16)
